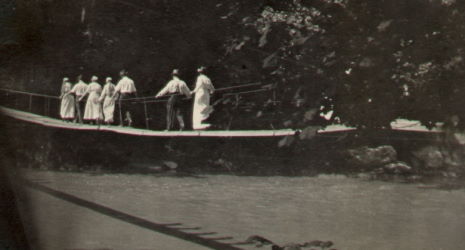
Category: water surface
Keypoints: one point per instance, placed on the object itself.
(353, 213)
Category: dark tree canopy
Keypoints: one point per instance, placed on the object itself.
(368, 62)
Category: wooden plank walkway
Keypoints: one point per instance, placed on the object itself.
(56, 123)
(397, 125)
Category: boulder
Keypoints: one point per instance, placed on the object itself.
(459, 138)
(397, 167)
(373, 157)
(224, 164)
(170, 164)
(429, 157)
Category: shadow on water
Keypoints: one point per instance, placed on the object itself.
(171, 229)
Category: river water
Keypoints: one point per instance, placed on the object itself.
(353, 213)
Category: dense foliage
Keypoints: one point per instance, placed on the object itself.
(362, 63)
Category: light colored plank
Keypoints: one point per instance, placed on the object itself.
(55, 123)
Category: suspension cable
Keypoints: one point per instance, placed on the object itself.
(151, 99)
(217, 90)
(28, 93)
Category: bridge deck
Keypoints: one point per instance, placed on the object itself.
(56, 123)
(399, 125)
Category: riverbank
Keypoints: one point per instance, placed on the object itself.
(377, 154)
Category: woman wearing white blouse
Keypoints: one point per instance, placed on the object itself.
(93, 110)
(108, 100)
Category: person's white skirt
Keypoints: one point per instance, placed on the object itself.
(93, 109)
(108, 109)
(202, 109)
(67, 107)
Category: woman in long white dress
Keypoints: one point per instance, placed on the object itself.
(67, 101)
(202, 108)
(108, 101)
(93, 110)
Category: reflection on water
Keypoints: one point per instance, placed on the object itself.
(353, 213)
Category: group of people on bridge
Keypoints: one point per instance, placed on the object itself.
(100, 104)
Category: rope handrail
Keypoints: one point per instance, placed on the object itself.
(247, 92)
(228, 94)
(33, 106)
(28, 93)
(239, 86)
(151, 99)
(217, 90)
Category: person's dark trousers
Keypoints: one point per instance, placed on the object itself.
(80, 107)
(126, 108)
(174, 109)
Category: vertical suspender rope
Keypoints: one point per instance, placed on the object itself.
(30, 103)
(16, 102)
(48, 107)
(119, 107)
(146, 116)
(45, 106)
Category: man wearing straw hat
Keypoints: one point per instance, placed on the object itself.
(125, 89)
(79, 89)
(176, 87)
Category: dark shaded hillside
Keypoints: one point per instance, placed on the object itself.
(368, 62)
(149, 38)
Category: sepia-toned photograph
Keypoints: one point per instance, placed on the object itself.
(238, 124)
